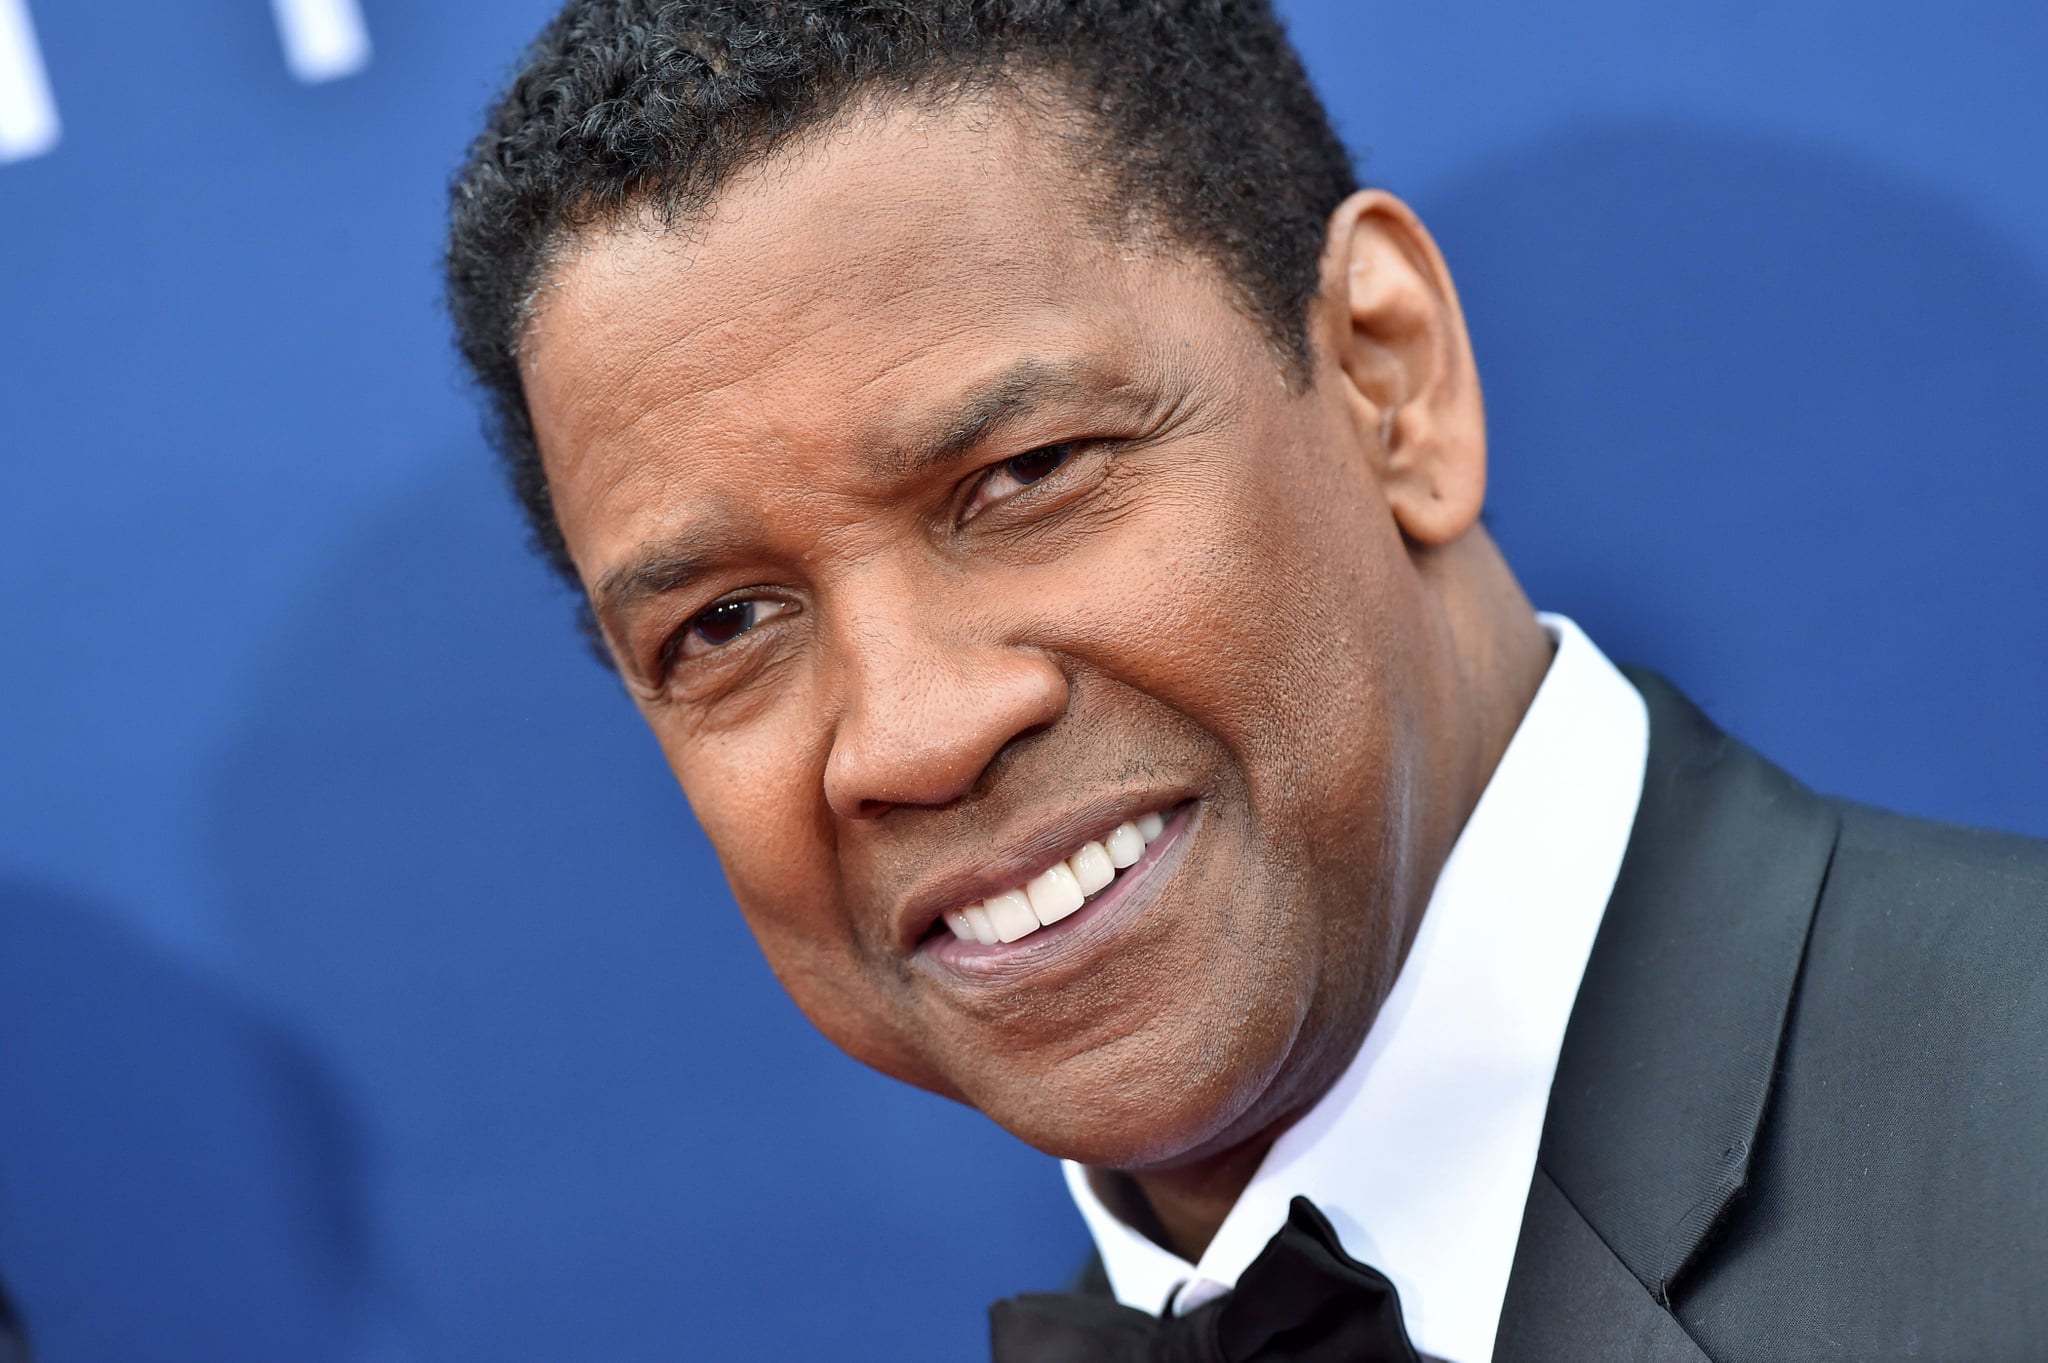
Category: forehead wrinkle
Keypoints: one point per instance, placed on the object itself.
(1011, 391)
(868, 330)
(890, 261)
(667, 414)
(782, 347)
(613, 297)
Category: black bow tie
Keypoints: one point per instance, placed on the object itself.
(1303, 1300)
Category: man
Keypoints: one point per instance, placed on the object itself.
(1034, 497)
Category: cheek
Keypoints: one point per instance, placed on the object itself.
(1326, 748)
(759, 802)
(1266, 604)
(753, 790)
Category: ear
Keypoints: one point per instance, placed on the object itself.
(1390, 320)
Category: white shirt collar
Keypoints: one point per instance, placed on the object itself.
(1421, 1153)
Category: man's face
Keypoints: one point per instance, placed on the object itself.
(938, 535)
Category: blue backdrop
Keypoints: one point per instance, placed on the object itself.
(366, 990)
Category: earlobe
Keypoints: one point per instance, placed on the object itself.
(1398, 338)
(1434, 474)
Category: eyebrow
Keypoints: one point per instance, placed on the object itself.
(664, 566)
(1015, 390)
(672, 563)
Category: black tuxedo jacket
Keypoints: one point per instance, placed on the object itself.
(1802, 1107)
(1801, 1111)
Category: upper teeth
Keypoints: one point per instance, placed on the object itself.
(1058, 890)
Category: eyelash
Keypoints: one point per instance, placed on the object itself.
(1065, 449)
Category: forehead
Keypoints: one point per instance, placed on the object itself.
(840, 295)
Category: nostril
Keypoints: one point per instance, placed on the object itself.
(1034, 730)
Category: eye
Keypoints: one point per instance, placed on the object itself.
(722, 624)
(1014, 475)
(1030, 467)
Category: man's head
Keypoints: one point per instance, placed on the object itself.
(980, 426)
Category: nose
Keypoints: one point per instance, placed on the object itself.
(926, 709)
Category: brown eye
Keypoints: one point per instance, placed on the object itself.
(721, 625)
(726, 622)
(1034, 465)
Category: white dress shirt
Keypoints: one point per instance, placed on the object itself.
(1422, 1152)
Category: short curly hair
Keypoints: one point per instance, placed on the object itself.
(1197, 114)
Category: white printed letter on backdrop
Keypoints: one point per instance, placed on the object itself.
(28, 115)
(323, 39)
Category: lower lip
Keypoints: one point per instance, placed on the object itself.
(1129, 895)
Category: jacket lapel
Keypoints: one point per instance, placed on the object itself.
(1667, 1064)
(1570, 1300)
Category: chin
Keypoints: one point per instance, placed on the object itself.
(1153, 1102)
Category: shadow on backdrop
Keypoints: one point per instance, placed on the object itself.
(445, 836)
(1763, 418)
(178, 1177)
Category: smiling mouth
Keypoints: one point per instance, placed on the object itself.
(1058, 891)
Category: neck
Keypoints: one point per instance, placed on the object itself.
(1180, 1209)
(1495, 656)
